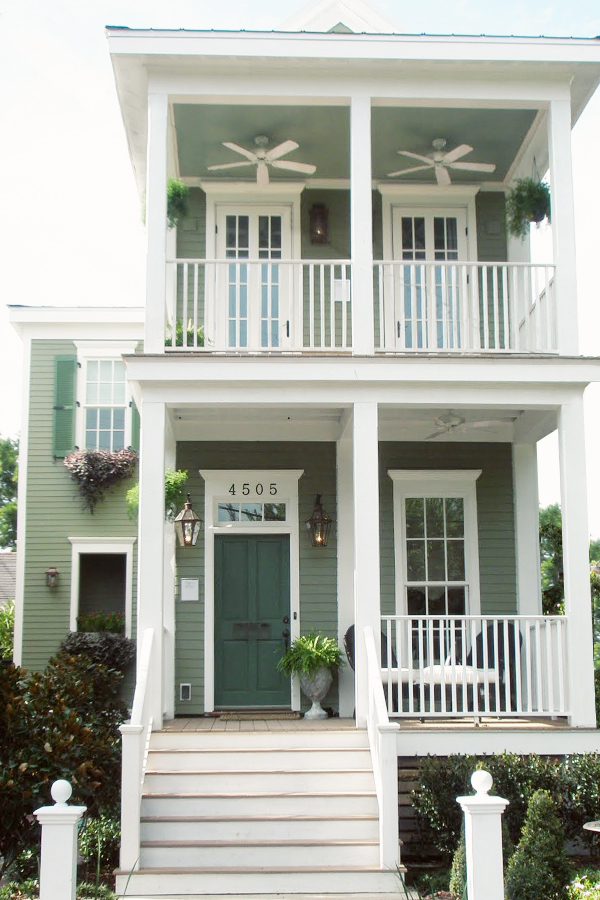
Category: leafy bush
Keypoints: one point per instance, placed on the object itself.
(30, 890)
(99, 843)
(538, 869)
(97, 470)
(311, 652)
(174, 485)
(177, 201)
(102, 621)
(7, 629)
(585, 886)
(115, 651)
(458, 873)
(60, 723)
(189, 335)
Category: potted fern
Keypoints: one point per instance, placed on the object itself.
(527, 202)
(313, 658)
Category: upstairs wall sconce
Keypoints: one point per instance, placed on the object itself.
(319, 223)
(319, 525)
(187, 525)
(52, 576)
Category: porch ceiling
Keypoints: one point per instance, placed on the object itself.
(323, 133)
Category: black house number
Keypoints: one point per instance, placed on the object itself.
(259, 489)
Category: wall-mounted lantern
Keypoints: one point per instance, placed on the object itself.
(319, 525)
(51, 578)
(319, 223)
(187, 525)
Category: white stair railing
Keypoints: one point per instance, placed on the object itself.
(135, 738)
(384, 754)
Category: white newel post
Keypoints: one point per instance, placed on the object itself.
(367, 606)
(483, 839)
(156, 223)
(361, 226)
(58, 870)
(576, 542)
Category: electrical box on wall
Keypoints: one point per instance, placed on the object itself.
(185, 692)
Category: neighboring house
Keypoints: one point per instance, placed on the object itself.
(8, 572)
(319, 326)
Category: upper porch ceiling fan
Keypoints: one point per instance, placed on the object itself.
(442, 162)
(451, 421)
(263, 158)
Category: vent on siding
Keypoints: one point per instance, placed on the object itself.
(185, 692)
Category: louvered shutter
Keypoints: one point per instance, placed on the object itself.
(65, 373)
(135, 428)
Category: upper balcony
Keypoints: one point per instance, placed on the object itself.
(347, 192)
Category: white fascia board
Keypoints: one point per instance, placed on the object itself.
(84, 323)
(479, 741)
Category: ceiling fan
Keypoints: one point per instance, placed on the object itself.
(450, 421)
(263, 158)
(441, 162)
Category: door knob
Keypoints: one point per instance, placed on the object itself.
(285, 635)
(286, 620)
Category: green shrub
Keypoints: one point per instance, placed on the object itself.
(174, 485)
(538, 869)
(309, 653)
(7, 629)
(458, 872)
(99, 843)
(115, 651)
(177, 201)
(102, 621)
(585, 886)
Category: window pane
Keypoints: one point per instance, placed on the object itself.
(435, 517)
(419, 235)
(456, 560)
(456, 601)
(104, 440)
(263, 232)
(274, 512)
(251, 512)
(119, 419)
(119, 370)
(415, 517)
(228, 512)
(437, 601)
(415, 602)
(106, 370)
(118, 442)
(243, 231)
(105, 416)
(436, 569)
(455, 517)
(276, 232)
(415, 560)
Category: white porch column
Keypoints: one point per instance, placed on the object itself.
(169, 587)
(367, 606)
(156, 223)
(361, 226)
(576, 540)
(345, 557)
(563, 225)
(151, 547)
(527, 531)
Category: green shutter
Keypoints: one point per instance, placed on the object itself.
(65, 370)
(135, 428)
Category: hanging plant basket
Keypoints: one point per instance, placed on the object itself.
(527, 202)
(96, 470)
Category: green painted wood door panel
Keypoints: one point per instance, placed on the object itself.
(252, 598)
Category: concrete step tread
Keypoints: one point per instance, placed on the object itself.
(303, 842)
(343, 817)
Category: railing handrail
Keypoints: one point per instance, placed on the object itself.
(308, 262)
(474, 616)
(141, 683)
(462, 262)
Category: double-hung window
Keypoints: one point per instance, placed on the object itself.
(104, 401)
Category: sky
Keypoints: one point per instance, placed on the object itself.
(71, 231)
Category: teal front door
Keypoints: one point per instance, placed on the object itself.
(252, 611)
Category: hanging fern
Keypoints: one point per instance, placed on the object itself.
(96, 470)
(177, 201)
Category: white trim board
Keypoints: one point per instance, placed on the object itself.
(121, 545)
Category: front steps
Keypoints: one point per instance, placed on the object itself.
(253, 813)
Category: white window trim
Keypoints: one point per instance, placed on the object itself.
(216, 485)
(438, 483)
(87, 350)
(81, 545)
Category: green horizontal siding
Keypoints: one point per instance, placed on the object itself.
(318, 578)
(54, 513)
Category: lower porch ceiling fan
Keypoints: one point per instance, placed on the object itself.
(263, 158)
(441, 162)
(450, 421)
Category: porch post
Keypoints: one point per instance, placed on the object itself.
(563, 224)
(525, 487)
(367, 607)
(361, 226)
(576, 540)
(345, 556)
(169, 586)
(151, 547)
(156, 223)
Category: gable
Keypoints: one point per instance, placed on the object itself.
(339, 16)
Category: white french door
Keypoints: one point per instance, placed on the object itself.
(427, 287)
(253, 294)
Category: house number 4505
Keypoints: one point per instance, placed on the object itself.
(259, 489)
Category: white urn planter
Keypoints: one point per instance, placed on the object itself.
(315, 688)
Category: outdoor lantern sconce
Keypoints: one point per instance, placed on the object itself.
(319, 525)
(319, 225)
(187, 525)
(51, 578)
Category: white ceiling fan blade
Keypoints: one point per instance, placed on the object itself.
(229, 166)
(437, 433)
(262, 173)
(474, 167)
(281, 150)
(424, 159)
(443, 176)
(488, 423)
(306, 168)
(237, 149)
(455, 154)
(407, 171)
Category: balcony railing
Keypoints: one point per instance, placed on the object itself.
(259, 305)
(464, 307)
(451, 666)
